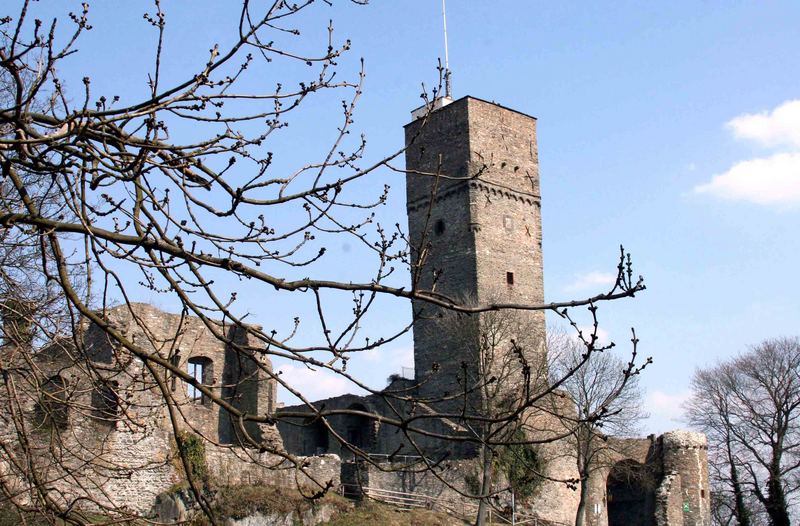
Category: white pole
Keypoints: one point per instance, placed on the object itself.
(513, 510)
(446, 53)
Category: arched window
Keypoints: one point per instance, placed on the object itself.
(105, 400)
(53, 407)
(201, 369)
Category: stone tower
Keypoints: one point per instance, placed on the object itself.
(474, 217)
(685, 459)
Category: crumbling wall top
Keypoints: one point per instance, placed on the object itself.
(682, 438)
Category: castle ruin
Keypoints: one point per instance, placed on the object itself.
(473, 203)
(474, 207)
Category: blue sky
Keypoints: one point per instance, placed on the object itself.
(672, 128)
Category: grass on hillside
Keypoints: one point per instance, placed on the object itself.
(376, 514)
(9, 516)
(241, 501)
(238, 502)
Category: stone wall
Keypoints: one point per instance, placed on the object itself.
(229, 466)
(118, 465)
(442, 239)
(686, 453)
(505, 213)
(669, 501)
(660, 480)
(113, 438)
(474, 223)
(241, 375)
(446, 484)
(450, 485)
(556, 499)
(307, 435)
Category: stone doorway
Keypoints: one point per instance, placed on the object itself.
(629, 493)
(359, 429)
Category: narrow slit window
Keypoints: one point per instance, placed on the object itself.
(510, 278)
(439, 227)
(174, 360)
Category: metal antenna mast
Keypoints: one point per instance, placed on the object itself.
(447, 87)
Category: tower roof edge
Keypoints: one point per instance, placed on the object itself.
(440, 103)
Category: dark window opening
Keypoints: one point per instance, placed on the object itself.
(702, 493)
(175, 361)
(438, 228)
(510, 278)
(53, 405)
(315, 438)
(200, 369)
(105, 401)
(629, 490)
(359, 431)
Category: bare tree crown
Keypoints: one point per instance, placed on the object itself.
(180, 194)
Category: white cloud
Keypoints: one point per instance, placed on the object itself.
(403, 357)
(591, 280)
(315, 384)
(771, 180)
(779, 127)
(665, 408)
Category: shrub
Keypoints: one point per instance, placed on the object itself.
(193, 449)
(522, 465)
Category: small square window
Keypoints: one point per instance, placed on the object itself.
(510, 278)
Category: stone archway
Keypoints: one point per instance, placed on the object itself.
(315, 438)
(630, 494)
(359, 429)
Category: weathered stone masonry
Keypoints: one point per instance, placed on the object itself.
(133, 458)
(474, 215)
(479, 164)
(474, 212)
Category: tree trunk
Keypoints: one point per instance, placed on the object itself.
(580, 514)
(776, 503)
(486, 487)
(740, 510)
(583, 445)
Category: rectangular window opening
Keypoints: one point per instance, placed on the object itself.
(196, 372)
(510, 278)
